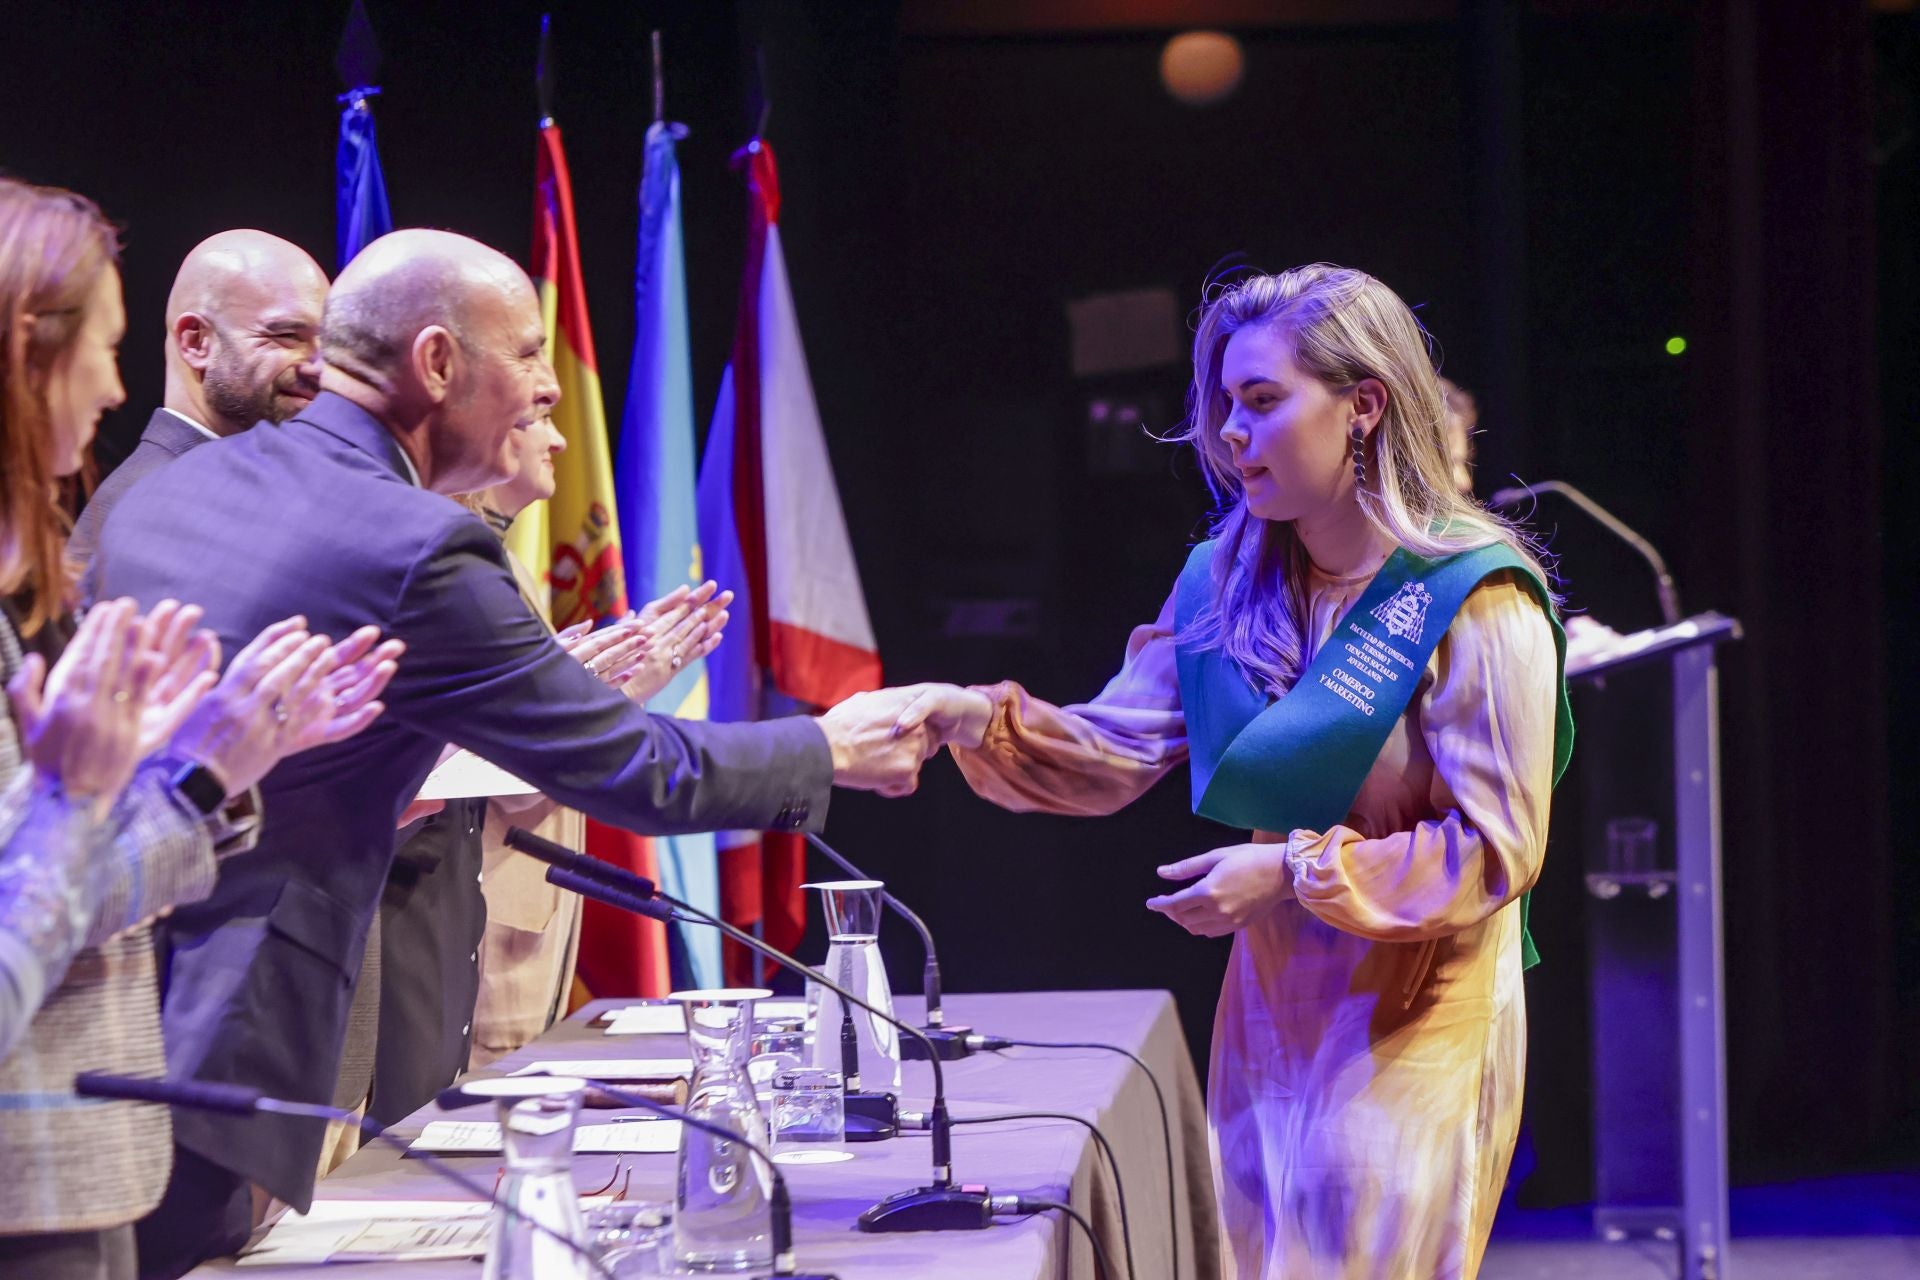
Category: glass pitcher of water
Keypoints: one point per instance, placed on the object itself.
(721, 1217)
(537, 1211)
(853, 960)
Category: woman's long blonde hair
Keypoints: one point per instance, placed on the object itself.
(1344, 326)
(53, 246)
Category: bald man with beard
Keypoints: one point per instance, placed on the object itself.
(435, 372)
(242, 346)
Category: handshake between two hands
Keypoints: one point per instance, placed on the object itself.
(881, 739)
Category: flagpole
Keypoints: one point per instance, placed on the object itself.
(659, 82)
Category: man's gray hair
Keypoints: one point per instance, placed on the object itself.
(370, 323)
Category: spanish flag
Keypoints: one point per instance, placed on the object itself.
(572, 543)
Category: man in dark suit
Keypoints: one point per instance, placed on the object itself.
(243, 346)
(434, 365)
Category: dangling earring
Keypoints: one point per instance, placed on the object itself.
(1359, 439)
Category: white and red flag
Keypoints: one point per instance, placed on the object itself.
(773, 529)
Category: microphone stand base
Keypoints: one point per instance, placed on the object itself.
(930, 1209)
(951, 1042)
(872, 1117)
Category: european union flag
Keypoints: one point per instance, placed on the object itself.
(362, 192)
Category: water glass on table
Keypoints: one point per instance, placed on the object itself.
(776, 1047)
(809, 1109)
(630, 1238)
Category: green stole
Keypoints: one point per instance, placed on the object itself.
(1296, 762)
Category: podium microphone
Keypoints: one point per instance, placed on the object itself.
(942, 1206)
(1662, 579)
(239, 1100)
(949, 1042)
(779, 1203)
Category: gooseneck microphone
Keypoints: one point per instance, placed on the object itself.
(239, 1100)
(943, 1206)
(949, 1042)
(1662, 579)
(779, 1202)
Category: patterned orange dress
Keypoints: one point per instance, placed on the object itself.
(1370, 1041)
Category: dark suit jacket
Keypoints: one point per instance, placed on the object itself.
(432, 916)
(167, 437)
(318, 517)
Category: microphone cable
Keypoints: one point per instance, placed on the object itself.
(1119, 1183)
(241, 1100)
(997, 1043)
(1026, 1204)
(372, 1128)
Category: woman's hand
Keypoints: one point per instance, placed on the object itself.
(277, 698)
(641, 655)
(1237, 884)
(950, 713)
(80, 723)
(187, 666)
(339, 696)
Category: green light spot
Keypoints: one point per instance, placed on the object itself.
(1676, 345)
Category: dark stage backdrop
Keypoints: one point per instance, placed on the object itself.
(1558, 192)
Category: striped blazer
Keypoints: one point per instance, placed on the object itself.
(70, 1163)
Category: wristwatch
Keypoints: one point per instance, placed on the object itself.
(232, 822)
(198, 787)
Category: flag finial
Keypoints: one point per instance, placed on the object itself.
(762, 96)
(357, 61)
(542, 75)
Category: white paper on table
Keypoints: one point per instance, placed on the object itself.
(482, 1137)
(395, 1240)
(647, 1020)
(333, 1228)
(612, 1068)
(325, 1234)
(464, 774)
(367, 1210)
(768, 1010)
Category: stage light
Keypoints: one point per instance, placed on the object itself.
(1200, 68)
(1676, 345)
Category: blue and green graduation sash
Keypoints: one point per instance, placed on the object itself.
(1297, 762)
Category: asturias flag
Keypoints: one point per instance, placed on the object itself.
(772, 527)
(572, 543)
(360, 191)
(655, 482)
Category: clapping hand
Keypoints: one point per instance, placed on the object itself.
(641, 654)
(353, 675)
(186, 663)
(80, 723)
(1236, 884)
(280, 696)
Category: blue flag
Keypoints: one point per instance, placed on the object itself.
(654, 488)
(361, 199)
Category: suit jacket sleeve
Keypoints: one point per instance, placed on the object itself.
(68, 883)
(481, 670)
(162, 855)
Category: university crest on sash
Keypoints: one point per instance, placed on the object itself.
(1404, 613)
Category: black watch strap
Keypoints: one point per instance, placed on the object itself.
(201, 789)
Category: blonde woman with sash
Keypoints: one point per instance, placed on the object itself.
(1364, 667)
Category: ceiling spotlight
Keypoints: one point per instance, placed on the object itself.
(1200, 68)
